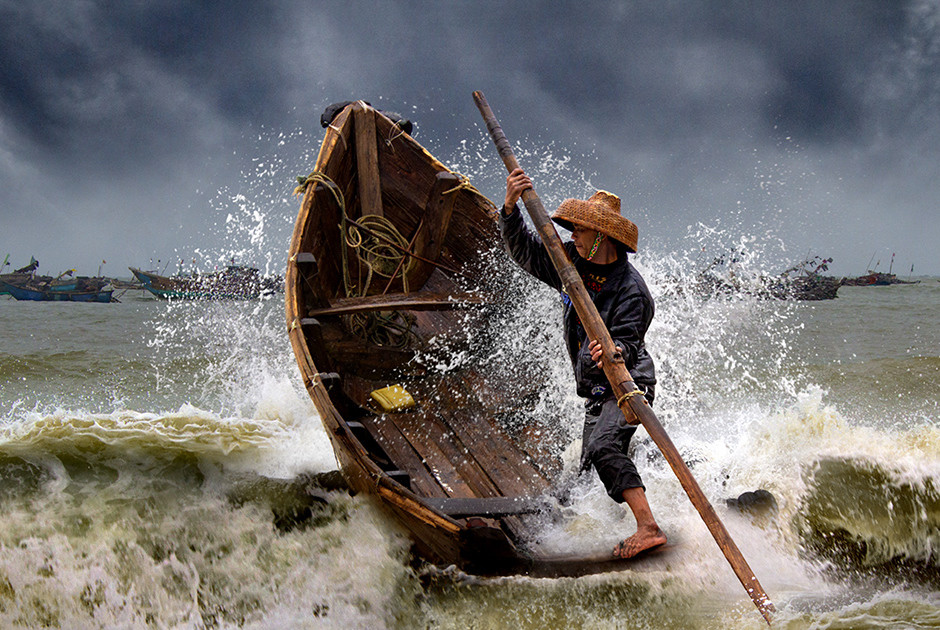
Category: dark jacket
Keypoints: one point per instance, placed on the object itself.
(624, 303)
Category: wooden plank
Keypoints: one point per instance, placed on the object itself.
(414, 427)
(493, 457)
(367, 158)
(404, 456)
(541, 457)
(320, 232)
(489, 506)
(444, 440)
(456, 467)
(487, 461)
(660, 558)
(432, 323)
(313, 334)
(432, 231)
(509, 468)
(414, 507)
(350, 355)
(542, 449)
(440, 208)
(423, 301)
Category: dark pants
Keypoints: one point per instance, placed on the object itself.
(604, 446)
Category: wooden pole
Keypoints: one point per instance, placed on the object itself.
(630, 399)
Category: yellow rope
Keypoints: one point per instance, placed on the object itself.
(373, 238)
(463, 185)
(629, 395)
(392, 136)
(380, 247)
(377, 251)
(466, 185)
(316, 177)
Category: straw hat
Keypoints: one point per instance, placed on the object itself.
(601, 213)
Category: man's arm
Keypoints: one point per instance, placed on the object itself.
(627, 326)
(524, 247)
(516, 183)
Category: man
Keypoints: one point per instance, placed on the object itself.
(601, 239)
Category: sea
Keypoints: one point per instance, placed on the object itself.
(156, 461)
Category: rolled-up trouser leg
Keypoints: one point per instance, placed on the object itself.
(604, 445)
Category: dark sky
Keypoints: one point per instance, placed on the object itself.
(146, 130)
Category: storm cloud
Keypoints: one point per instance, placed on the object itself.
(132, 131)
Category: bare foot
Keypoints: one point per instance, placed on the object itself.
(639, 542)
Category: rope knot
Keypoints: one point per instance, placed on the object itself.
(628, 396)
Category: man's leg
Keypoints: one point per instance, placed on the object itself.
(607, 451)
(648, 534)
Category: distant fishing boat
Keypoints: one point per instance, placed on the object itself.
(875, 278)
(30, 294)
(62, 284)
(20, 276)
(805, 282)
(235, 282)
(802, 282)
(389, 260)
(16, 279)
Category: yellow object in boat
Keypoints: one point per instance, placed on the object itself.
(393, 398)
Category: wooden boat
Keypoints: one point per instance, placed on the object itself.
(390, 258)
(812, 287)
(20, 276)
(802, 282)
(877, 279)
(16, 279)
(38, 294)
(235, 282)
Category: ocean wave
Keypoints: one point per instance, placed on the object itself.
(189, 430)
(871, 518)
(854, 500)
(188, 550)
(281, 438)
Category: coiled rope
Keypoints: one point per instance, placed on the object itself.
(379, 248)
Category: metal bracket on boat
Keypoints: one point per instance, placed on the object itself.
(330, 380)
(304, 258)
(307, 267)
(308, 260)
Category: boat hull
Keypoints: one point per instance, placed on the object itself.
(233, 283)
(469, 487)
(35, 295)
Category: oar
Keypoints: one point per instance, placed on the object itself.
(629, 398)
